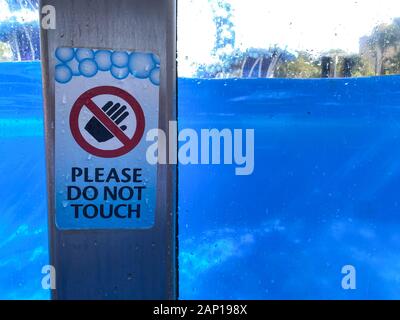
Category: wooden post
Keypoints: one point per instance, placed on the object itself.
(115, 263)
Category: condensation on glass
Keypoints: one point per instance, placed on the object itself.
(288, 38)
(255, 38)
(19, 30)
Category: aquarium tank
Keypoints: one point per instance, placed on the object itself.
(320, 88)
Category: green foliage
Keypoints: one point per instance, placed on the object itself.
(5, 52)
(384, 43)
(230, 65)
(361, 67)
(380, 55)
(222, 17)
(392, 65)
(385, 36)
(304, 66)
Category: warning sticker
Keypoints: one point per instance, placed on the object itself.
(104, 125)
(105, 103)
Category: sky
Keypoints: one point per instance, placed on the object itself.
(312, 25)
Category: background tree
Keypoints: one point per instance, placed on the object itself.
(359, 66)
(304, 65)
(383, 38)
(225, 33)
(392, 64)
(379, 54)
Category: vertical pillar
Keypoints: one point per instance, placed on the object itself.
(326, 65)
(108, 262)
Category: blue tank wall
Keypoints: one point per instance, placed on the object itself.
(324, 192)
(23, 221)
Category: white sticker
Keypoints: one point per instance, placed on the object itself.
(105, 103)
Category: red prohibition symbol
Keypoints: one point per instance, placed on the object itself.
(86, 100)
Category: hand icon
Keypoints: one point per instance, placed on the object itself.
(116, 113)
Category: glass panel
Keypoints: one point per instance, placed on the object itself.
(19, 30)
(324, 191)
(23, 221)
(288, 39)
(323, 196)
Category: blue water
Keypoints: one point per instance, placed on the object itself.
(23, 220)
(324, 193)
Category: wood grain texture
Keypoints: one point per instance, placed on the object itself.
(130, 264)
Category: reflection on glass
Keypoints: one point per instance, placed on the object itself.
(288, 38)
(19, 30)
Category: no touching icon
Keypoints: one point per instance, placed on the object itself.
(106, 121)
(98, 130)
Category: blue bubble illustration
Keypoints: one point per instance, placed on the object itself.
(65, 54)
(120, 58)
(103, 60)
(119, 73)
(155, 76)
(63, 74)
(141, 64)
(87, 63)
(156, 59)
(88, 68)
(74, 66)
(82, 54)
